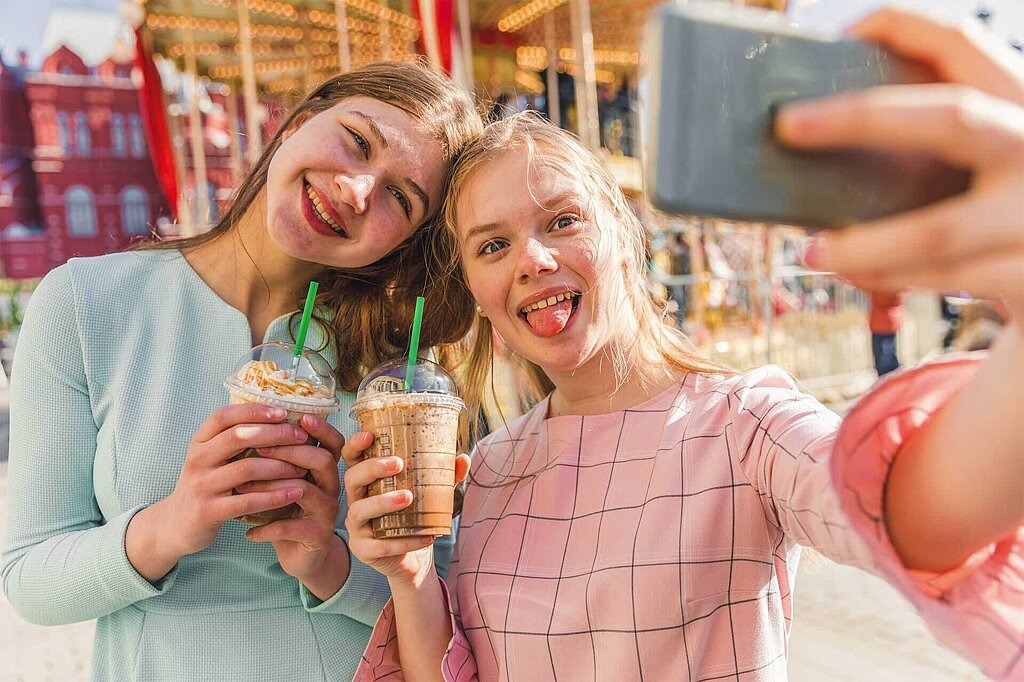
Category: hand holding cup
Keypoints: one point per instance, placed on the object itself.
(402, 558)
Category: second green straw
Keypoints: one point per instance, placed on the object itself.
(414, 342)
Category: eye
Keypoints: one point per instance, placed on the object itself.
(360, 142)
(403, 200)
(564, 221)
(491, 247)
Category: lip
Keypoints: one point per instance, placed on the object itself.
(545, 293)
(312, 217)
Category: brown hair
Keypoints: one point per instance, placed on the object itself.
(659, 345)
(372, 306)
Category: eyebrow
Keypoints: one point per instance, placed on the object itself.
(482, 229)
(379, 134)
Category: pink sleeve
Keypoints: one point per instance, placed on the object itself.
(381, 660)
(976, 609)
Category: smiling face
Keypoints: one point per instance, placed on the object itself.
(352, 183)
(534, 259)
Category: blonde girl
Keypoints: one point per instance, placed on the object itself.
(644, 520)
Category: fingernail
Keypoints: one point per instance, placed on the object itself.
(277, 412)
(795, 118)
(264, 452)
(402, 498)
(392, 465)
(813, 251)
(294, 494)
(299, 434)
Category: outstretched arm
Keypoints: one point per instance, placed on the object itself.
(958, 484)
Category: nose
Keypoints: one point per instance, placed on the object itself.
(355, 189)
(536, 259)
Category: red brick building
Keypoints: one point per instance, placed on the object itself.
(76, 178)
(77, 147)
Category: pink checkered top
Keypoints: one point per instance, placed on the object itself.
(661, 542)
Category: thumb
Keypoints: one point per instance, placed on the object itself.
(462, 463)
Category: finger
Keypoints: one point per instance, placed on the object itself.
(225, 417)
(234, 506)
(352, 451)
(235, 474)
(319, 462)
(304, 530)
(396, 547)
(314, 501)
(998, 277)
(960, 53)
(961, 126)
(329, 437)
(363, 511)
(359, 476)
(241, 437)
(462, 463)
(951, 231)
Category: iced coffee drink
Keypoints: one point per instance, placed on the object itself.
(266, 376)
(420, 423)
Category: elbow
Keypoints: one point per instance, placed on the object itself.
(37, 609)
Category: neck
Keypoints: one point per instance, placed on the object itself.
(594, 388)
(228, 265)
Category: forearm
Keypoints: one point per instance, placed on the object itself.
(74, 576)
(333, 573)
(958, 484)
(423, 624)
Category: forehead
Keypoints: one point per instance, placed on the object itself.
(514, 182)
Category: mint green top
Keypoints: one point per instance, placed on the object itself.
(120, 359)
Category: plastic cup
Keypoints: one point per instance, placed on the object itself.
(421, 424)
(264, 376)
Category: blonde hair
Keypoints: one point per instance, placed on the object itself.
(658, 347)
(372, 307)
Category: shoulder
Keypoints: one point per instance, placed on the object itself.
(752, 395)
(118, 270)
(518, 427)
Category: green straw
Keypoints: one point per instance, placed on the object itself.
(307, 313)
(414, 342)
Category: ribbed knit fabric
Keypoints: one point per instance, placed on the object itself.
(119, 361)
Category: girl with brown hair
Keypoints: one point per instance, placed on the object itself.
(123, 481)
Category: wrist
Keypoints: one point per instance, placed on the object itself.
(325, 580)
(149, 545)
(413, 582)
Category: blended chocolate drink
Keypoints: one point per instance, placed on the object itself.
(420, 424)
(266, 377)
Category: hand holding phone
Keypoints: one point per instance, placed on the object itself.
(716, 74)
(974, 118)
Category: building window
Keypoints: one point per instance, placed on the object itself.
(82, 138)
(81, 211)
(64, 133)
(137, 138)
(135, 211)
(117, 135)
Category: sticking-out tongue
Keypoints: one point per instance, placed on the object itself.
(551, 320)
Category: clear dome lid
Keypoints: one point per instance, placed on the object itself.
(388, 378)
(266, 370)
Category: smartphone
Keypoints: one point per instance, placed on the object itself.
(712, 77)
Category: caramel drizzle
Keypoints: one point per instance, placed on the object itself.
(265, 375)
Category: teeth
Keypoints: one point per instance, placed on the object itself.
(544, 303)
(318, 205)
